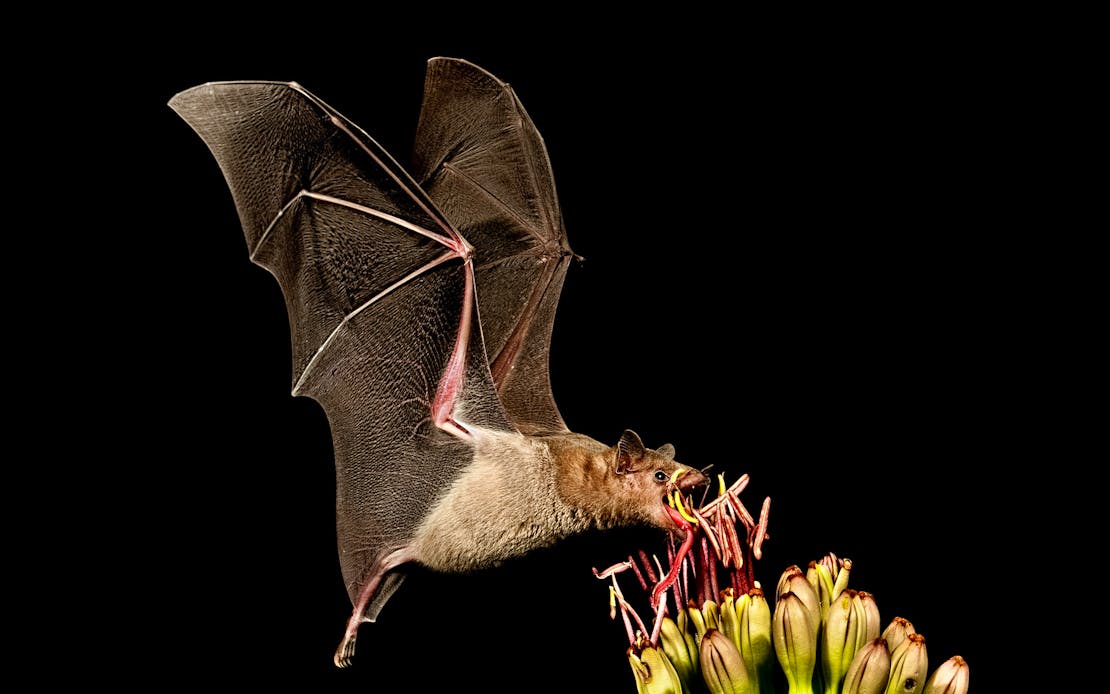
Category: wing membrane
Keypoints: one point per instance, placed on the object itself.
(482, 161)
(374, 280)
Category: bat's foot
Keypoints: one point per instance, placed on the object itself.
(391, 561)
(346, 649)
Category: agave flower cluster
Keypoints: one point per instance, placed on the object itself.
(714, 630)
(827, 640)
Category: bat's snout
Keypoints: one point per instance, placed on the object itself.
(691, 479)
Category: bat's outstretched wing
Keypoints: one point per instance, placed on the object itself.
(380, 292)
(482, 161)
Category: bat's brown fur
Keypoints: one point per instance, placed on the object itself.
(526, 492)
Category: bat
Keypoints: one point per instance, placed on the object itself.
(421, 306)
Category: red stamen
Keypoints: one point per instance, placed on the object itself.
(735, 489)
(679, 603)
(658, 622)
(714, 589)
(614, 569)
(682, 552)
(625, 608)
(639, 576)
(706, 526)
(746, 517)
(647, 564)
(761, 529)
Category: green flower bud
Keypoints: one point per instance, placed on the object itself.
(950, 678)
(730, 615)
(821, 581)
(712, 615)
(681, 649)
(844, 635)
(784, 579)
(755, 639)
(692, 620)
(831, 563)
(872, 609)
(653, 672)
(795, 642)
(870, 669)
(842, 578)
(797, 584)
(896, 632)
(909, 664)
(722, 667)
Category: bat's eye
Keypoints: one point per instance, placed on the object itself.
(661, 476)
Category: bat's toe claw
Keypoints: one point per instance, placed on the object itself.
(345, 652)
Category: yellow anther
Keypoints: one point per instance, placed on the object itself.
(721, 480)
(612, 598)
(682, 509)
(674, 476)
(670, 499)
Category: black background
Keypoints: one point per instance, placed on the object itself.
(793, 269)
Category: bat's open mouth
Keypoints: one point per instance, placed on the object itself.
(677, 498)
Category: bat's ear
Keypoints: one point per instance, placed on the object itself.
(666, 450)
(630, 452)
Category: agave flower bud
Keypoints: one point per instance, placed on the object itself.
(798, 584)
(755, 639)
(909, 664)
(821, 580)
(692, 620)
(654, 673)
(795, 642)
(896, 632)
(681, 649)
(722, 667)
(831, 562)
(872, 609)
(870, 669)
(730, 615)
(712, 615)
(841, 577)
(843, 636)
(950, 678)
(784, 579)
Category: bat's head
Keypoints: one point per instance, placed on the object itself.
(645, 477)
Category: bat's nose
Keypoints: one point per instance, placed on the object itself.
(690, 479)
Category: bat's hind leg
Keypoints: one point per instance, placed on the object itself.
(370, 589)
